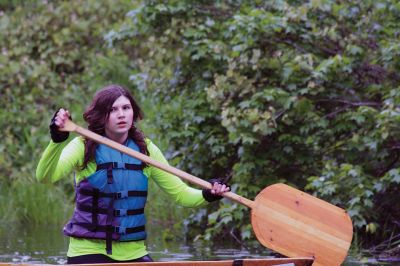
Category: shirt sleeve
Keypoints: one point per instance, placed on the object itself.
(171, 184)
(60, 159)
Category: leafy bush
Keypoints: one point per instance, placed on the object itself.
(53, 55)
(277, 91)
(271, 91)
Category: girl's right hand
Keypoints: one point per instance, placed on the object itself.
(57, 122)
(61, 116)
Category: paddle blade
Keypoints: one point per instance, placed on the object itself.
(297, 224)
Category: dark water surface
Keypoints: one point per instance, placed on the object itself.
(48, 245)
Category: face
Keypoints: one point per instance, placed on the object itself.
(120, 119)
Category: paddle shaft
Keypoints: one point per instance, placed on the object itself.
(70, 126)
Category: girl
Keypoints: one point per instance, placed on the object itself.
(108, 223)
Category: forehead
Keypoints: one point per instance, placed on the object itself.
(121, 100)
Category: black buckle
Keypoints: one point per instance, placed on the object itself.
(120, 230)
(120, 212)
(121, 194)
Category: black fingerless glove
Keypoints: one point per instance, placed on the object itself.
(56, 135)
(210, 197)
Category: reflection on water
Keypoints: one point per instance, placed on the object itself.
(48, 245)
(33, 245)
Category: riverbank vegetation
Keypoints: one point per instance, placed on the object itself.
(305, 93)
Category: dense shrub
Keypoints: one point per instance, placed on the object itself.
(305, 93)
(52, 54)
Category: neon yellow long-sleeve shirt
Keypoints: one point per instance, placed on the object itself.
(60, 159)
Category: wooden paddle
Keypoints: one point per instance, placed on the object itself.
(284, 219)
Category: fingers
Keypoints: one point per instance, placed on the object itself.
(61, 116)
(219, 189)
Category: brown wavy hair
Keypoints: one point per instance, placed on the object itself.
(98, 112)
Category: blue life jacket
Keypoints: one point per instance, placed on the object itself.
(110, 202)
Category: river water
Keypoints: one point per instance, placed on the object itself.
(48, 245)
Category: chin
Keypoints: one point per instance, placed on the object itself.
(123, 131)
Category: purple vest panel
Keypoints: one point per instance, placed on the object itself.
(72, 229)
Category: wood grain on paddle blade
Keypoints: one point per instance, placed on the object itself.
(295, 224)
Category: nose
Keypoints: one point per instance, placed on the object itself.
(121, 112)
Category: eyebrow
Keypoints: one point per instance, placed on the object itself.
(128, 104)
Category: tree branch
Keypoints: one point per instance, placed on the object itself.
(389, 166)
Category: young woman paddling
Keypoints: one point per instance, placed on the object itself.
(108, 223)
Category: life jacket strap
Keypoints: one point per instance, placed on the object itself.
(115, 195)
(109, 232)
(110, 212)
(116, 212)
(110, 177)
(114, 229)
(95, 204)
(116, 165)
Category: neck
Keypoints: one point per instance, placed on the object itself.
(120, 138)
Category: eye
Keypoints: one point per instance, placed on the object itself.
(127, 107)
(113, 109)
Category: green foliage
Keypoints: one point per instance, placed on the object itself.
(304, 93)
(52, 55)
(30, 202)
(276, 91)
(8, 5)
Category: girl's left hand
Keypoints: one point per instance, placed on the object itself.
(218, 189)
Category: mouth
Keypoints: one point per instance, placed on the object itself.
(121, 124)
